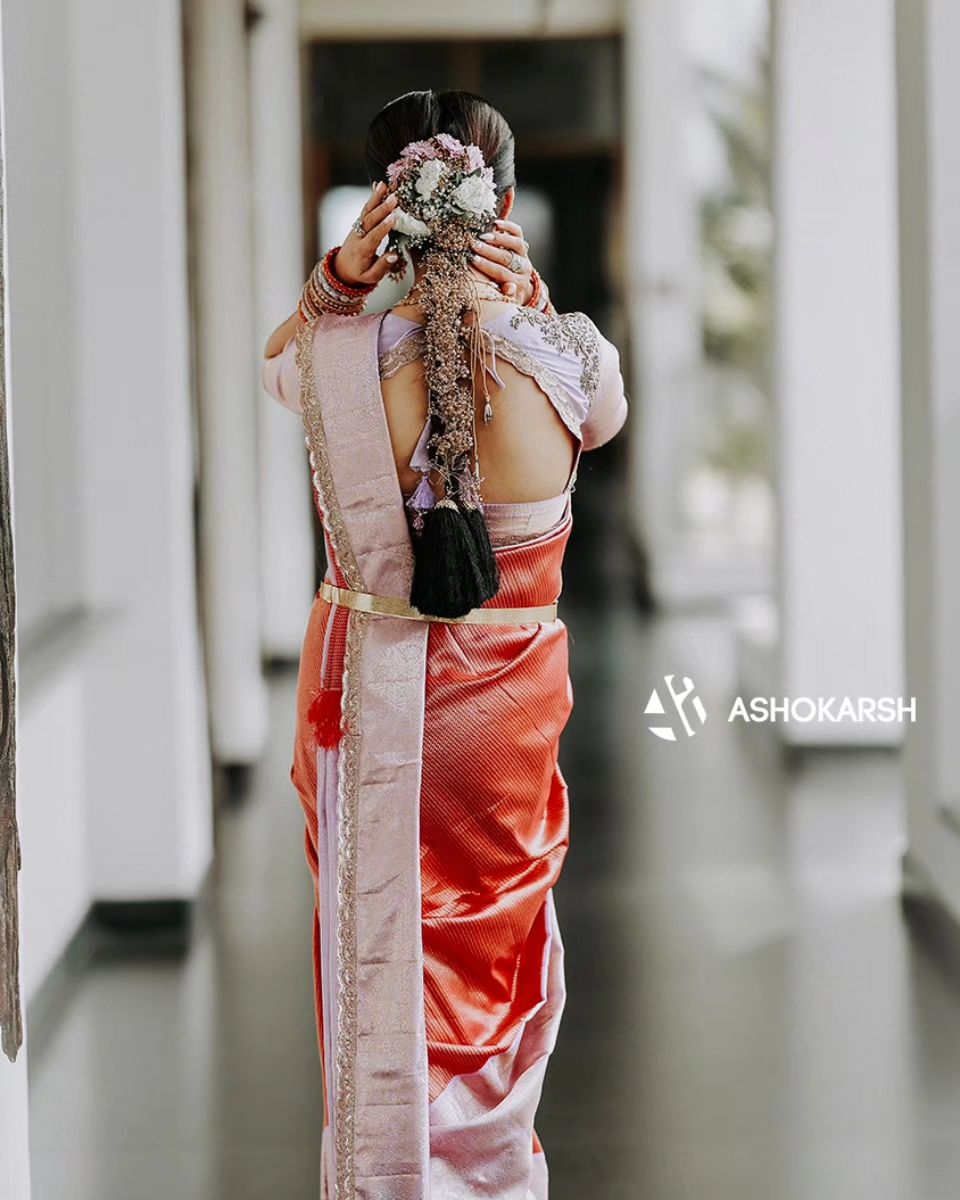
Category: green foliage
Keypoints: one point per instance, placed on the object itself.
(736, 222)
(736, 233)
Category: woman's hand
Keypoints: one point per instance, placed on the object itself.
(501, 255)
(357, 264)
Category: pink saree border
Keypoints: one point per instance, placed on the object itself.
(380, 1103)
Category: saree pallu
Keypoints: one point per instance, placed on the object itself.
(436, 827)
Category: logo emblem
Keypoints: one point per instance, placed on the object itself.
(678, 698)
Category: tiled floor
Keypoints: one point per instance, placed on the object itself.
(750, 1014)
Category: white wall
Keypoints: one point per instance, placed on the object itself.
(45, 426)
(114, 760)
(14, 1155)
(54, 806)
(14, 1105)
(40, 204)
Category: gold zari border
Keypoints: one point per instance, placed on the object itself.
(348, 781)
(319, 461)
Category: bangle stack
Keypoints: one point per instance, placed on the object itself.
(325, 293)
(540, 300)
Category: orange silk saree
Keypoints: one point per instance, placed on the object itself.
(436, 827)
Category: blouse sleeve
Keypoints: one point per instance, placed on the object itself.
(608, 409)
(281, 378)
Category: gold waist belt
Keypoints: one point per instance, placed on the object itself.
(393, 606)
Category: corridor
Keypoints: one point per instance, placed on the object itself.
(758, 201)
(751, 1015)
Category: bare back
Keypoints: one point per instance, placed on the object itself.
(526, 451)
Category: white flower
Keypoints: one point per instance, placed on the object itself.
(410, 225)
(474, 195)
(429, 176)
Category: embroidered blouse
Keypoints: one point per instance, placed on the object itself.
(571, 362)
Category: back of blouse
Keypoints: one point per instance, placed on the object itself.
(551, 388)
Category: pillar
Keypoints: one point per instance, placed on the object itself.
(228, 358)
(835, 374)
(662, 275)
(144, 738)
(286, 536)
(928, 86)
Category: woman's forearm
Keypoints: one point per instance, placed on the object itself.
(281, 335)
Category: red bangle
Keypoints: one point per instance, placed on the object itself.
(346, 289)
(537, 289)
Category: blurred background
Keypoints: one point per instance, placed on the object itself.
(759, 202)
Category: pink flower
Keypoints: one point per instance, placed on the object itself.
(419, 152)
(448, 143)
(474, 158)
(410, 158)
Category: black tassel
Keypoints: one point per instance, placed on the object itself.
(448, 578)
(486, 560)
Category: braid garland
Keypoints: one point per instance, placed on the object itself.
(448, 198)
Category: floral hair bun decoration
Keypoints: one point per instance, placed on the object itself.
(440, 182)
(446, 198)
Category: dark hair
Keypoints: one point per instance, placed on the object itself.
(420, 115)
